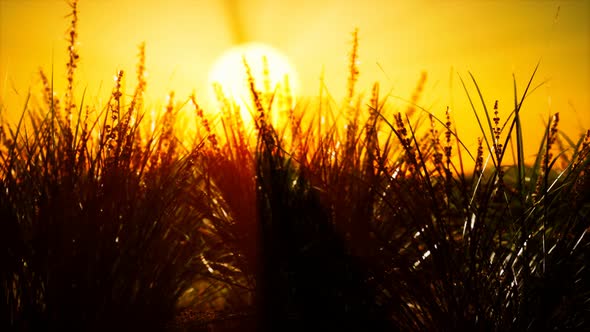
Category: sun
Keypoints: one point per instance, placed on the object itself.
(275, 79)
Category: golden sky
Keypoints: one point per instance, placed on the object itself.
(398, 40)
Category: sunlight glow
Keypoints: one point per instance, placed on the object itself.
(276, 81)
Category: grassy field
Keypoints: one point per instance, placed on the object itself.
(348, 216)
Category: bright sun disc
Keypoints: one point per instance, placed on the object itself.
(280, 84)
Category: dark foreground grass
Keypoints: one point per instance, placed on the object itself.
(356, 217)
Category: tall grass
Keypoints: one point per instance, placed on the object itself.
(353, 216)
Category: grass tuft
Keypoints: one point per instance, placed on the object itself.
(344, 216)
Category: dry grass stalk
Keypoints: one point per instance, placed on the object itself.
(416, 94)
(372, 140)
(113, 129)
(47, 95)
(542, 179)
(437, 156)
(138, 94)
(409, 158)
(267, 93)
(448, 148)
(353, 73)
(211, 137)
(478, 171)
(72, 63)
(497, 131)
(263, 124)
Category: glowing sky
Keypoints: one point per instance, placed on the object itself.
(398, 40)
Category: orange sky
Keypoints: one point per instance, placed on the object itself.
(493, 39)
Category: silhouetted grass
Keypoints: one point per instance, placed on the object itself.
(344, 217)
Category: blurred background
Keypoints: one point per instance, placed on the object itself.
(397, 41)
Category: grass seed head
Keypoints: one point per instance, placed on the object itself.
(353, 70)
(72, 64)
